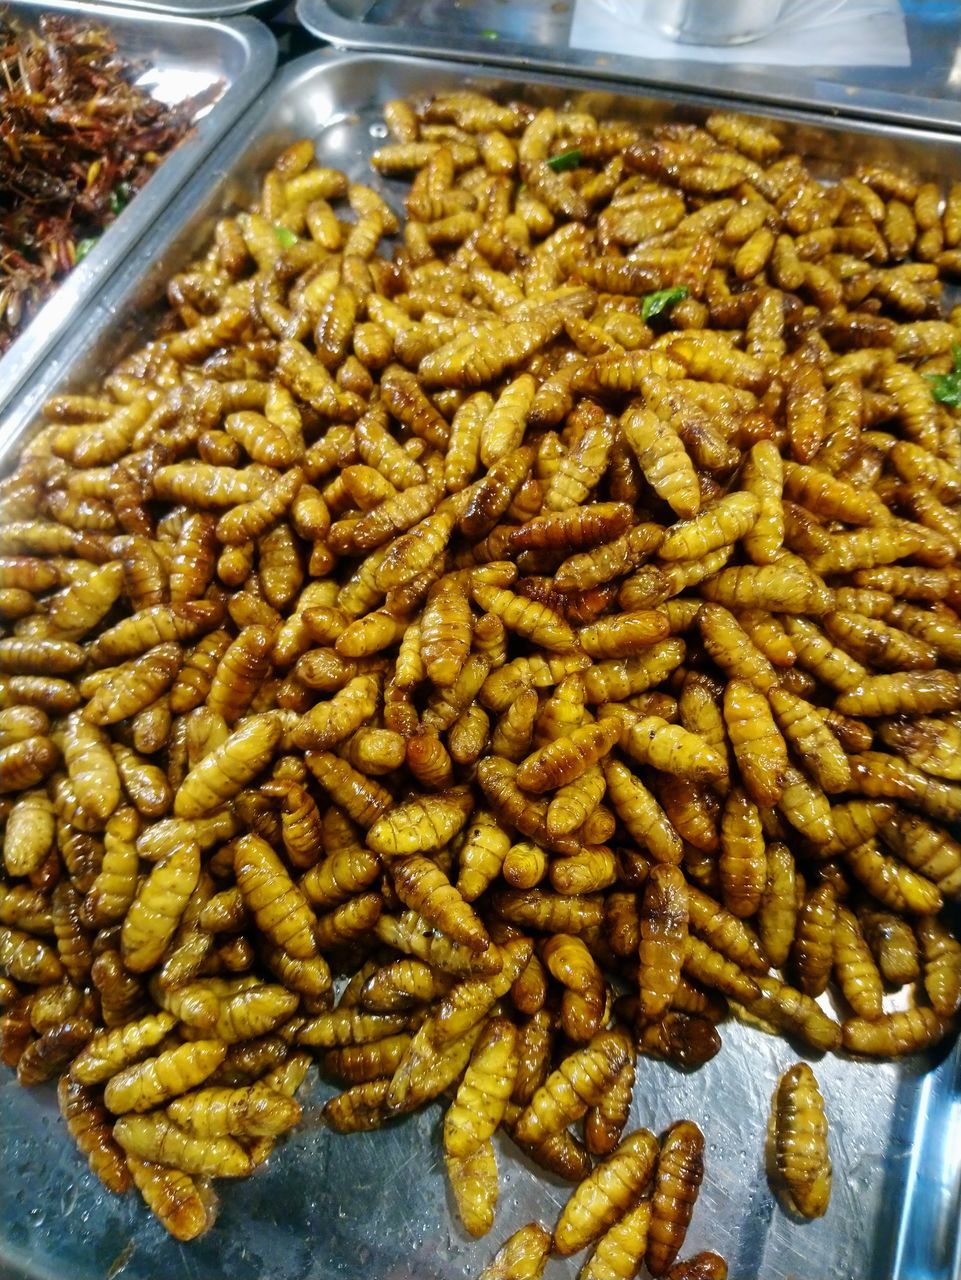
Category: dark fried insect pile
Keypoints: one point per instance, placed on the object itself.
(78, 137)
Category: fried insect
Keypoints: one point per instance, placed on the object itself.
(763, 476)
(624, 634)
(46, 1057)
(891, 882)
(156, 1138)
(714, 547)
(662, 458)
(670, 748)
(742, 864)
(854, 966)
(279, 907)
(680, 1168)
(422, 825)
(91, 768)
(527, 618)
(578, 1083)
(110, 1051)
(523, 1257)
(663, 929)
(227, 769)
(906, 1031)
(893, 945)
(482, 1095)
(604, 1124)
(482, 854)
(813, 950)
(620, 1251)
(941, 966)
(800, 1141)
(255, 1110)
(777, 913)
(473, 1179)
(155, 912)
(816, 746)
(644, 819)
(184, 1208)
(564, 760)
(240, 672)
(605, 1195)
(421, 885)
(756, 741)
(88, 1123)
(446, 631)
(115, 886)
(29, 833)
(702, 1266)
(153, 1081)
(911, 692)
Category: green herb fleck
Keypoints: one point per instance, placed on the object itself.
(285, 237)
(655, 303)
(565, 160)
(489, 34)
(946, 387)
(120, 197)
(83, 248)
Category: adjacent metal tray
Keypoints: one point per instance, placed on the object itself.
(536, 34)
(199, 8)
(185, 57)
(375, 1205)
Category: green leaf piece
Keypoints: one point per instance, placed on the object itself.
(655, 303)
(285, 237)
(119, 198)
(946, 387)
(565, 160)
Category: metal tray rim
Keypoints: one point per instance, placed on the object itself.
(787, 87)
(941, 1086)
(187, 9)
(53, 321)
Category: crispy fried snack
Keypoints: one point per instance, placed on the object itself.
(552, 631)
(800, 1141)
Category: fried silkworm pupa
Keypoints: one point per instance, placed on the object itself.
(88, 1122)
(607, 1193)
(800, 1141)
(680, 1169)
(523, 1257)
(183, 1204)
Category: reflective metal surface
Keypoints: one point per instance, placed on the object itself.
(929, 1236)
(536, 34)
(235, 59)
(375, 1206)
(196, 8)
(707, 22)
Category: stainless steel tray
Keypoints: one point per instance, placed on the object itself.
(375, 1205)
(536, 34)
(185, 57)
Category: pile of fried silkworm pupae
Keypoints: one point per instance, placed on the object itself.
(541, 628)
